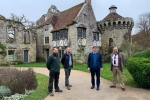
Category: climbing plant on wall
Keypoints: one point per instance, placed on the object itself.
(2, 50)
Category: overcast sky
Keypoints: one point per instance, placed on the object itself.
(34, 9)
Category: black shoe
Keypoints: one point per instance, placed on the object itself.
(113, 86)
(92, 87)
(58, 90)
(69, 85)
(97, 88)
(51, 94)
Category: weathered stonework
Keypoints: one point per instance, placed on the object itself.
(17, 40)
(115, 29)
(44, 50)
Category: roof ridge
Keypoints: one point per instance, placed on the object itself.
(73, 7)
(112, 15)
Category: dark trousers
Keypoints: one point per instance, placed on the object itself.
(67, 74)
(97, 72)
(53, 77)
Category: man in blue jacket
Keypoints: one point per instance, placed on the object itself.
(95, 65)
(67, 62)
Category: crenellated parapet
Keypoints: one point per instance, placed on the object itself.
(114, 30)
(116, 23)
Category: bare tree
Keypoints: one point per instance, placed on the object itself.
(144, 23)
(22, 19)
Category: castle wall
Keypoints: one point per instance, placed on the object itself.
(16, 42)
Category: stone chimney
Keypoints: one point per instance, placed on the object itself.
(88, 1)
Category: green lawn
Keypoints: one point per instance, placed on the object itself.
(35, 64)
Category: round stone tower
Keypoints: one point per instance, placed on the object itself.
(115, 29)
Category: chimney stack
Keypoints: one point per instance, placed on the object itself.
(88, 1)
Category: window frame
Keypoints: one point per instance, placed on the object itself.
(60, 35)
(9, 55)
(46, 27)
(85, 17)
(95, 36)
(81, 32)
(46, 40)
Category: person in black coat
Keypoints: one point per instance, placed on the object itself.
(67, 62)
(95, 65)
(53, 65)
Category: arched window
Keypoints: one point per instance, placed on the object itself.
(11, 34)
(26, 38)
(110, 42)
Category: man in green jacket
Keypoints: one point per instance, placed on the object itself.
(53, 65)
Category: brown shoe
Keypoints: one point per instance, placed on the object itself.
(68, 87)
(123, 89)
(113, 86)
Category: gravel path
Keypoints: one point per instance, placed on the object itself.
(81, 89)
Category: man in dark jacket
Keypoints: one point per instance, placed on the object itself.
(95, 65)
(67, 61)
(53, 65)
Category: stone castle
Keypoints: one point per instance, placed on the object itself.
(75, 27)
(114, 29)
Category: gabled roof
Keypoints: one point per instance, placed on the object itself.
(67, 17)
(113, 16)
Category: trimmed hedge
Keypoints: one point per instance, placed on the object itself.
(139, 67)
(145, 54)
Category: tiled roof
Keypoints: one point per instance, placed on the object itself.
(67, 17)
(112, 15)
(51, 20)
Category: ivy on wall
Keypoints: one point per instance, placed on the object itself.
(2, 50)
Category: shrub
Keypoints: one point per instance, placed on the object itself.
(40, 59)
(145, 54)
(18, 61)
(18, 80)
(4, 91)
(18, 96)
(108, 58)
(139, 68)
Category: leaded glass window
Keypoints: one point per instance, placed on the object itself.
(96, 36)
(81, 32)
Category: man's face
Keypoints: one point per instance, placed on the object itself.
(55, 50)
(115, 50)
(68, 50)
(94, 49)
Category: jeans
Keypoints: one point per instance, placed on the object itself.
(67, 74)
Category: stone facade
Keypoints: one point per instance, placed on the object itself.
(79, 16)
(115, 29)
(20, 42)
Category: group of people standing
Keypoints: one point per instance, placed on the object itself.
(94, 64)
